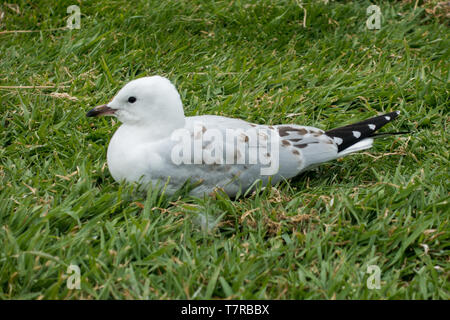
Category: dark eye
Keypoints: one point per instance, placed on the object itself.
(131, 99)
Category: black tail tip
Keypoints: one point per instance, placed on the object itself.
(351, 134)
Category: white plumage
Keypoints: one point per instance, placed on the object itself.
(143, 147)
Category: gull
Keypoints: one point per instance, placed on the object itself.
(157, 143)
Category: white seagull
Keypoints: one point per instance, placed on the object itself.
(157, 143)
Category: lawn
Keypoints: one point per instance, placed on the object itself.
(313, 237)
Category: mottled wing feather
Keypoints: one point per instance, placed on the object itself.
(311, 143)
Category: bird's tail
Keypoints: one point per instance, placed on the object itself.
(359, 136)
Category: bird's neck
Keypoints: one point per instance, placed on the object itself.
(152, 131)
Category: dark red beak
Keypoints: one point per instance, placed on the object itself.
(102, 110)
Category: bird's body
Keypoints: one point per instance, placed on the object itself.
(157, 143)
(131, 159)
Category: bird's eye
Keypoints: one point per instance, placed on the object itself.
(131, 99)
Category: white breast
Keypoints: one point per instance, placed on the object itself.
(128, 157)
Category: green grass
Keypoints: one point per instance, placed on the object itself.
(310, 238)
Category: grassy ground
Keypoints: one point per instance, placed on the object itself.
(313, 237)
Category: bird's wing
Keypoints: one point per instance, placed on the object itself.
(311, 143)
(203, 152)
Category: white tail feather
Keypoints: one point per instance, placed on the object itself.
(361, 145)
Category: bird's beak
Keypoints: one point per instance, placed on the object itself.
(101, 111)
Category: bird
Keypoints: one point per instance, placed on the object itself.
(156, 143)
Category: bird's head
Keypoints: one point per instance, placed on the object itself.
(145, 102)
